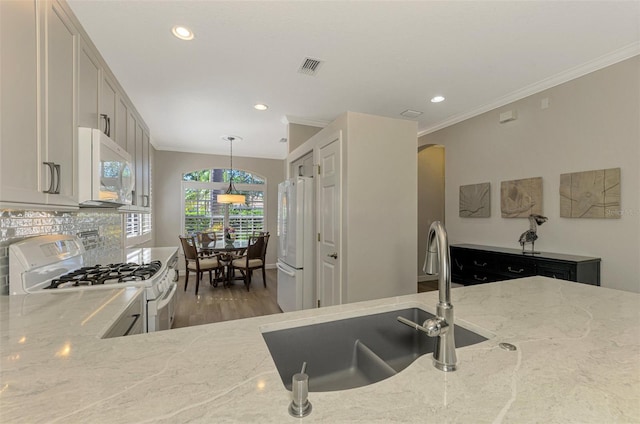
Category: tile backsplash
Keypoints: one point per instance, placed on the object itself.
(100, 232)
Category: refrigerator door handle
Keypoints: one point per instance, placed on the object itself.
(285, 270)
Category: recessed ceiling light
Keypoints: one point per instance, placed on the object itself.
(261, 106)
(182, 32)
(437, 99)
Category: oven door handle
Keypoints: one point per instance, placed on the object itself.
(167, 298)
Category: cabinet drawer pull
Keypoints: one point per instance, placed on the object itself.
(52, 177)
(107, 124)
(475, 277)
(135, 317)
(476, 263)
(516, 271)
(57, 189)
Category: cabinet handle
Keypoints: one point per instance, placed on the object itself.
(458, 264)
(475, 277)
(57, 168)
(51, 177)
(476, 263)
(107, 124)
(517, 271)
(135, 317)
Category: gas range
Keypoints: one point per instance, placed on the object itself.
(55, 263)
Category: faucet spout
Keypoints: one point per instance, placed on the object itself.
(437, 261)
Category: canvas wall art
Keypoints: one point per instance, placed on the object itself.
(590, 194)
(521, 198)
(475, 201)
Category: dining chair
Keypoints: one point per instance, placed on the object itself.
(195, 263)
(208, 239)
(254, 258)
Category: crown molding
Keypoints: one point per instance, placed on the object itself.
(288, 119)
(601, 62)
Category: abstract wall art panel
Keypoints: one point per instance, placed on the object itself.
(475, 201)
(590, 194)
(521, 198)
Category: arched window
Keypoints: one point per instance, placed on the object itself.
(202, 212)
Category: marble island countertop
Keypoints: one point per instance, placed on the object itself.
(577, 360)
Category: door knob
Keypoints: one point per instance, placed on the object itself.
(333, 255)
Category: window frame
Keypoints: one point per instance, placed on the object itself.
(141, 236)
(210, 185)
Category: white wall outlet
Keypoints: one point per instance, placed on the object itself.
(544, 103)
(510, 115)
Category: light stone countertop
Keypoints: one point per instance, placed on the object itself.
(578, 360)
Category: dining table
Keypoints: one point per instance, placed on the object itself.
(237, 247)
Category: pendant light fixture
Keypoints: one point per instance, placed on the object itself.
(231, 196)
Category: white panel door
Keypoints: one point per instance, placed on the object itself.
(329, 208)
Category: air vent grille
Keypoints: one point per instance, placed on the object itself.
(409, 113)
(310, 66)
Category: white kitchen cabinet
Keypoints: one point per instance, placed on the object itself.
(88, 86)
(59, 38)
(108, 105)
(38, 105)
(52, 81)
(142, 167)
(139, 149)
(146, 170)
(20, 164)
(119, 133)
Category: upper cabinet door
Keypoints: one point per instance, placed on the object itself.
(146, 171)
(108, 106)
(88, 86)
(119, 132)
(20, 163)
(60, 134)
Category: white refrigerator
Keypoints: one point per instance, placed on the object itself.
(296, 279)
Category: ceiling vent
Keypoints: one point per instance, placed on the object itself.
(411, 113)
(310, 66)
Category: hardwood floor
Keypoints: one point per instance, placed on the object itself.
(217, 304)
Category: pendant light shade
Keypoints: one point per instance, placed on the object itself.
(231, 196)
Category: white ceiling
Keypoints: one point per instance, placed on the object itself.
(379, 57)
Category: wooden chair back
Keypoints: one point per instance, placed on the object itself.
(189, 247)
(207, 237)
(256, 247)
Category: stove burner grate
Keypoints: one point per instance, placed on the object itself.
(106, 274)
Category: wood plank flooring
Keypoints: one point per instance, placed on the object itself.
(217, 304)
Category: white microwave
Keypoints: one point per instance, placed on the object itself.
(105, 173)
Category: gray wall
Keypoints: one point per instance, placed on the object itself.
(592, 122)
(430, 198)
(167, 190)
(298, 134)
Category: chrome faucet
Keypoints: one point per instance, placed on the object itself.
(444, 355)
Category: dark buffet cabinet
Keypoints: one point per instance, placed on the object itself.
(475, 264)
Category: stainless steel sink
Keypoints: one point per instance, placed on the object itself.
(354, 352)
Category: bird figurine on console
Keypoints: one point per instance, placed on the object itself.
(530, 236)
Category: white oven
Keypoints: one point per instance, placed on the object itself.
(55, 263)
(161, 310)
